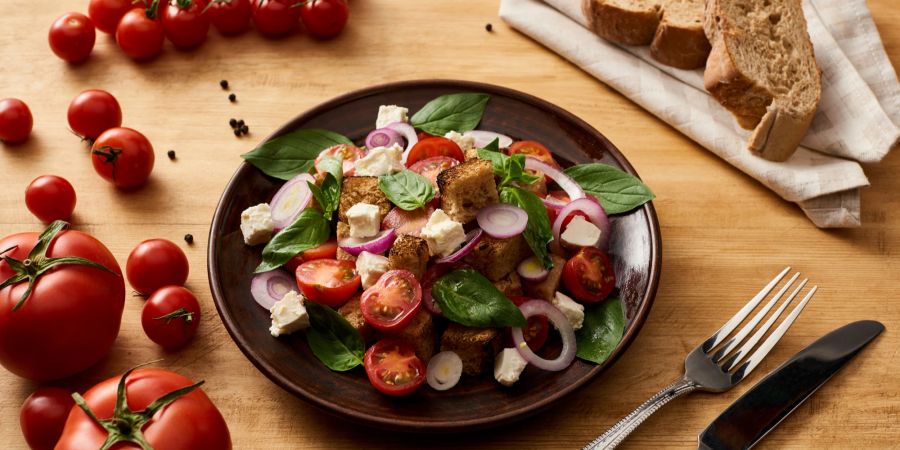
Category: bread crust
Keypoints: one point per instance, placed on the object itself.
(680, 47)
(622, 25)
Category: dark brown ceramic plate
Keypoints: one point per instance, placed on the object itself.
(476, 403)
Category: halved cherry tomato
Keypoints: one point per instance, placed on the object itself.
(407, 222)
(393, 301)
(393, 367)
(434, 146)
(328, 281)
(589, 275)
(536, 329)
(431, 167)
(328, 250)
(348, 153)
(534, 149)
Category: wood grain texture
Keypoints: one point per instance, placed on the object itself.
(723, 233)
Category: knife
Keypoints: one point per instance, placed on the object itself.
(764, 406)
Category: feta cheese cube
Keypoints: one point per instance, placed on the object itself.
(464, 142)
(580, 233)
(508, 366)
(380, 161)
(443, 234)
(370, 268)
(364, 220)
(288, 315)
(256, 224)
(573, 310)
(388, 114)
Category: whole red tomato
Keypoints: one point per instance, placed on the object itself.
(72, 37)
(184, 21)
(50, 198)
(123, 156)
(230, 16)
(275, 18)
(92, 112)
(15, 121)
(71, 318)
(190, 421)
(140, 34)
(43, 416)
(106, 14)
(324, 18)
(156, 263)
(171, 317)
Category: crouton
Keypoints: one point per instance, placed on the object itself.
(471, 153)
(409, 253)
(467, 188)
(547, 288)
(475, 346)
(362, 190)
(496, 258)
(343, 231)
(420, 333)
(510, 285)
(354, 316)
(539, 187)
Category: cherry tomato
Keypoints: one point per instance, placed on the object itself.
(589, 275)
(348, 153)
(171, 317)
(50, 198)
(140, 36)
(533, 149)
(123, 156)
(44, 415)
(434, 146)
(536, 329)
(407, 222)
(275, 18)
(230, 16)
(431, 167)
(424, 135)
(324, 18)
(106, 14)
(328, 250)
(393, 301)
(328, 281)
(393, 367)
(15, 121)
(72, 37)
(93, 112)
(184, 22)
(156, 263)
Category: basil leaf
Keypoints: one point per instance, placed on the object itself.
(332, 339)
(497, 159)
(508, 168)
(617, 191)
(334, 166)
(467, 297)
(494, 146)
(537, 233)
(604, 325)
(453, 112)
(310, 230)
(294, 153)
(407, 189)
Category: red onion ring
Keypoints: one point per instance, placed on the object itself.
(383, 137)
(268, 288)
(531, 269)
(595, 213)
(409, 133)
(484, 137)
(572, 188)
(472, 238)
(377, 245)
(502, 221)
(446, 361)
(299, 183)
(554, 203)
(559, 320)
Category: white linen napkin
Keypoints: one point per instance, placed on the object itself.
(825, 187)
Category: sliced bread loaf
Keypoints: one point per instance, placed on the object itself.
(763, 69)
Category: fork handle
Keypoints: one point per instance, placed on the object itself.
(615, 435)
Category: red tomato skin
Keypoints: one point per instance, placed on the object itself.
(434, 146)
(536, 341)
(325, 18)
(43, 416)
(72, 316)
(328, 250)
(190, 422)
(50, 198)
(92, 112)
(133, 167)
(275, 18)
(156, 263)
(72, 37)
(371, 367)
(140, 37)
(369, 301)
(231, 17)
(15, 121)
(328, 296)
(177, 333)
(185, 28)
(533, 149)
(572, 275)
(106, 14)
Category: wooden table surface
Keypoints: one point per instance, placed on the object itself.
(723, 233)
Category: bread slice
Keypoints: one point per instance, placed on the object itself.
(763, 69)
(672, 28)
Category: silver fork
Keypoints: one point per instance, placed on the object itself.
(710, 371)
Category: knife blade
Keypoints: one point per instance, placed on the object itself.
(743, 424)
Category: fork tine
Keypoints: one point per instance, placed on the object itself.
(773, 339)
(732, 323)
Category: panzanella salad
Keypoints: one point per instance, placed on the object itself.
(438, 250)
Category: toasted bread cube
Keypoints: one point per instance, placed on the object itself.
(510, 285)
(420, 333)
(343, 231)
(362, 190)
(471, 153)
(352, 312)
(467, 188)
(547, 289)
(475, 346)
(409, 253)
(496, 258)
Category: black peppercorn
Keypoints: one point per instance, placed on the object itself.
(245, 129)
(233, 123)
(240, 123)
(189, 238)
(232, 98)
(237, 132)
(224, 84)
(489, 28)
(171, 154)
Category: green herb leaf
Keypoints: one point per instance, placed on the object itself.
(537, 233)
(604, 326)
(334, 166)
(407, 189)
(310, 230)
(453, 112)
(467, 297)
(508, 168)
(328, 196)
(332, 339)
(617, 191)
(294, 153)
(494, 146)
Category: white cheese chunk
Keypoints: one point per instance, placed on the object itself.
(370, 268)
(380, 161)
(573, 310)
(580, 233)
(256, 224)
(508, 366)
(464, 142)
(288, 315)
(364, 220)
(443, 234)
(388, 114)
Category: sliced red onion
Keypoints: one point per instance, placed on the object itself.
(595, 213)
(484, 137)
(383, 137)
(531, 269)
(502, 221)
(558, 319)
(377, 245)
(409, 133)
(291, 200)
(554, 203)
(472, 238)
(572, 188)
(444, 370)
(268, 288)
